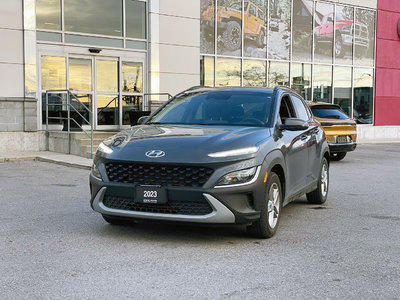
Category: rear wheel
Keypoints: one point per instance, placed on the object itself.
(320, 194)
(338, 156)
(270, 209)
(260, 39)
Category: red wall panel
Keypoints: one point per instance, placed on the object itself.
(387, 79)
(390, 5)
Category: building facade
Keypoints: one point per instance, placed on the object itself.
(115, 57)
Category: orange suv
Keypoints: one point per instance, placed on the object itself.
(229, 22)
(339, 128)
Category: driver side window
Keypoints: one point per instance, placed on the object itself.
(286, 109)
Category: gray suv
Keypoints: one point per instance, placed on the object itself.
(217, 156)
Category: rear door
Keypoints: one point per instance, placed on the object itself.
(295, 149)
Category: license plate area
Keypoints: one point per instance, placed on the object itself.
(341, 139)
(150, 194)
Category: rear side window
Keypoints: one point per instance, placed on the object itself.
(329, 113)
(302, 111)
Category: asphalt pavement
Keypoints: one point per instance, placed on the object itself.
(53, 246)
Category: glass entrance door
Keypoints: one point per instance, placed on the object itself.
(112, 87)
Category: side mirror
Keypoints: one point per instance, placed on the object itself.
(293, 124)
(142, 119)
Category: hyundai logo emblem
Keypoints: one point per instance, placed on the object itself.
(155, 153)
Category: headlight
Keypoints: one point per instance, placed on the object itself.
(104, 149)
(239, 177)
(235, 152)
(96, 172)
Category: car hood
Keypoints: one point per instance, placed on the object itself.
(184, 143)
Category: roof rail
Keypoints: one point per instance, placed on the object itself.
(277, 87)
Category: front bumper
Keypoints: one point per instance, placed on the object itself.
(228, 205)
(344, 147)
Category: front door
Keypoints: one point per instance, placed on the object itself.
(111, 86)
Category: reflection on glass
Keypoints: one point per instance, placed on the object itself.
(48, 36)
(92, 40)
(53, 73)
(80, 74)
(135, 19)
(98, 17)
(254, 73)
(302, 29)
(344, 35)
(278, 73)
(229, 27)
(131, 109)
(255, 28)
(323, 32)
(342, 86)
(207, 29)
(86, 101)
(56, 103)
(107, 110)
(228, 72)
(207, 71)
(107, 75)
(301, 79)
(48, 14)
(364, 37)
(279, 29)
(363, 95)
(322, 83)
(132, 77)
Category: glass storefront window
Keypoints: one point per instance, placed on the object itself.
(364, 37)
(254, 72)
(53, 73)
(48, 14)
(135, 19)
(131, 105)
(278, 73)
(344, 35)
(207, 71)
(229, 29)
(342, 88)
(363, 95)
(302, 30)
(80, 74)
(279, 29)
(255, 29)
(107, 109)
(106, 75)
(301, 79)
(98, 17)
(228, 72)
(132, 77)
(207, 26)
(323, 32)
(322, 83)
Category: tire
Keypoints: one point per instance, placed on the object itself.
(320, 194)
(338, 156)
(270, 209)
(339, 50)
(232, 36)
(116, 221)
(260, 39)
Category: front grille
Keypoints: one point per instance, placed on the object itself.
(174, 207)
(154, 174)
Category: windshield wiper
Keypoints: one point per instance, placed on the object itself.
(154, 123)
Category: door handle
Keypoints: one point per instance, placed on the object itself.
(303, 137)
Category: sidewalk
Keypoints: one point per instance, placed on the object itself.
(47, 156)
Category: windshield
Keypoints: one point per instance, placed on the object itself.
(329, 113)
(231, 108)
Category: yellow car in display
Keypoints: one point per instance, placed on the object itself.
(339, 128)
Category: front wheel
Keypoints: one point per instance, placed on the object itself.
(320, 194)
(271, 208)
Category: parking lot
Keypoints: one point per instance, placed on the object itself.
(54, 246)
